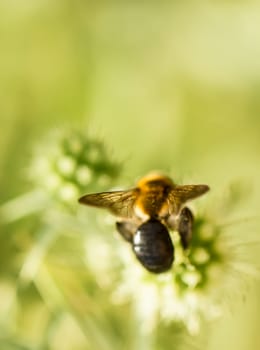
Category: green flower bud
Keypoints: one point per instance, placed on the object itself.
(68, 164)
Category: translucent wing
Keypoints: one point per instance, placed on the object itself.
(120, 203)
(181, 194)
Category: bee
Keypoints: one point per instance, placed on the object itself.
(146, 213)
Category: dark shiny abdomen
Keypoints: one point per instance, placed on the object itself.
(153, 246)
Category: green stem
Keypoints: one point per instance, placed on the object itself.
(24, 205)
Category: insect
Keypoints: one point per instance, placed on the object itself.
(146, 212)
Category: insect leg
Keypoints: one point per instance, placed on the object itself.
(185, 227)
(126, 229)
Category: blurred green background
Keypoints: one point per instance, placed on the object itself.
(169, 85)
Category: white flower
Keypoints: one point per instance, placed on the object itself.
(188, 293)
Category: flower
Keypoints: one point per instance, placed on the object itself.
(193, 291)
(68, 163)
(183, 294)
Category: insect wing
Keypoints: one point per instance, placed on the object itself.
(120, 203)
(181, 194)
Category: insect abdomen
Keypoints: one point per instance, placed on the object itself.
(153, 246)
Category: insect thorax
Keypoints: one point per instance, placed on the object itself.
(152, 199)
